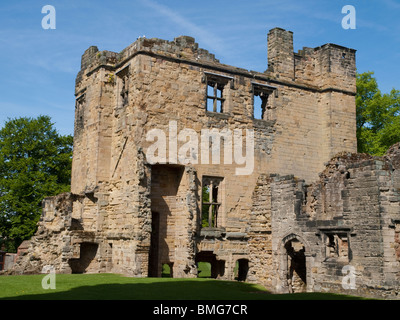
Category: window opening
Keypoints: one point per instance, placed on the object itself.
(123, 77)
(211, 202)
(337, 245)
(215, 99)
(260, 103)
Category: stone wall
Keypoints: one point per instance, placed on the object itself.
(174, 205)
(346, 223)
(162, 85)
(260, 235)
(51, 244)
(129, 214)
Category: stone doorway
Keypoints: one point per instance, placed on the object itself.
(296, 266)
(154, 245)
(242, 269)
(167, 215)
(217, 266)
(88, 251)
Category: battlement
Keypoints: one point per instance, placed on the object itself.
(307, 96)
(182, 47)
(327, 67)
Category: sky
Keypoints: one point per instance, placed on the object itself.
(39, 65)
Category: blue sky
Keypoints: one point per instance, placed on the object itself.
(39, 66)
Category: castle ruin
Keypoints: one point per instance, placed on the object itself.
(301, 214)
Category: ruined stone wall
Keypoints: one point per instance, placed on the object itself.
(370, 204)
(52, 244)
(348, 219)
(318, 97)
(260, 235)
(162, 85)
(162, 75)
(127, 222)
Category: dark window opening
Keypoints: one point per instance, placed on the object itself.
(337, 245)
(241, 269)
(124, 86)
(2, 260)
(124, 91)
(87, 254)
(79, 112)
(154, 245)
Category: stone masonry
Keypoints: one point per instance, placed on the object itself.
(282, 223)
(346, 221)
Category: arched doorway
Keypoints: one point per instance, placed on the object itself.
(293, 264)
(296, 271)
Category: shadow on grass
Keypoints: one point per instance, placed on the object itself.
(172, 290)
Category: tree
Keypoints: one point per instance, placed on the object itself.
(35, 162)
(378, 121)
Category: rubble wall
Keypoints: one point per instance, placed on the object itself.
(347, 224)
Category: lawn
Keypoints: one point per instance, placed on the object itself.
(114, 286)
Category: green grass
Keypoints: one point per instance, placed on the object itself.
(204, 269)
(114, 286)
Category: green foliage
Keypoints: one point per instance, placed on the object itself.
(205, 208)
(204, 269)
(35, 162)
(378, 121)
(166, 271)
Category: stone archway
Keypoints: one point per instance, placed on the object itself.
(296, 266)
(293, 265)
